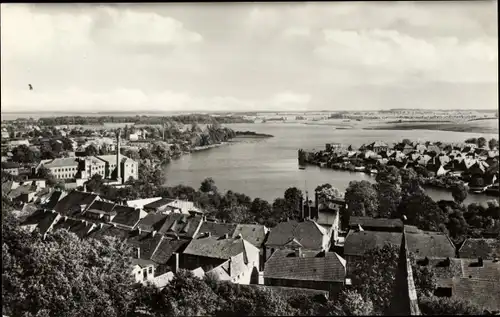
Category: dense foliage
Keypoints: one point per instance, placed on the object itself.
(62, 275)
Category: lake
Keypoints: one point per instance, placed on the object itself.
(265, 168)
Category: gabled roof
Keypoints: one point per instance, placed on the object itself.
(147, 242)
(483, 293)
(328, 268)
(74, 198)
(127, 216)
(42, 219)
(54, 199)
(107, 230)
(255, 234)
(422, 244)
(216, 229)
(485, 248)
(370, 222)
(60, 162)
(307, 233)
(167, 248)
(102, 206)
(158, 203)
(152, 222)
(219, 248)
(79, 227)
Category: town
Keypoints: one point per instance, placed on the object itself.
(315, 247)
(473, 163)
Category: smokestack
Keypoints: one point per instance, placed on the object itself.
(302, 206)
(316, 198)
(118, 158)
(176, 262)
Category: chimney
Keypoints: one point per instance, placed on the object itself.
(208, 234)
(239, 236)
(229, 267)
(138, 252)
(140, 231)
(495, 260)
(426, 261)
(298, 252)
(176, 262)
(225, 236)
(316, 200)
(447, 261)
(480, 261)
(360, 228)
(84, 187)
(118, 158)
(100, 225)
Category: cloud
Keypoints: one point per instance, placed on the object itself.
(27, 32)
(133, 99)
(296, 32)
(439, 58)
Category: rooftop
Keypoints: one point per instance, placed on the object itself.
(327, 268)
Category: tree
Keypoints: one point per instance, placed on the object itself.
(185, 295)
(459, 192)
(133, 154)
(423, 212)
(145, 154)
(407, 141)
(327, 192)
(261, 210)
(95, 183)
(481, 142)
(91, 150)
(361, 198)
(374, 275)
(208, 186)
(63, 275)
(45, 173)
(389, 197)
(432, 305)
(390, 174)
(493, 143)
(293, 198)
(351, 303)
(23, 154)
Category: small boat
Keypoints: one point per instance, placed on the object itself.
(373, 171)
(302, 167)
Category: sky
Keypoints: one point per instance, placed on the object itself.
(249, 56)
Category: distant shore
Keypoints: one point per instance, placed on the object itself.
(489, 125)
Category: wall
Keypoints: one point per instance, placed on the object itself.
(138, 273)
(332, 287)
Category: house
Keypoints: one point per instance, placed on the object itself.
(447, 269)
(99, 211)
(488, 249)
(61, 168)
(81, 228)
(11, 168)
(322, 271)
(256, 235)
(375, 224)
(128, 167)
(168, 205)
(127, 217)
(140, 203)
(378, 146)
(233, 259)
(41, 220)
(75, 202)
(216, 229)
(143, 270)
(174, 225)
(293, 234)
(421, 243)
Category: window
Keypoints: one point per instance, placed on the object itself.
(150, 270)
(145, 274)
